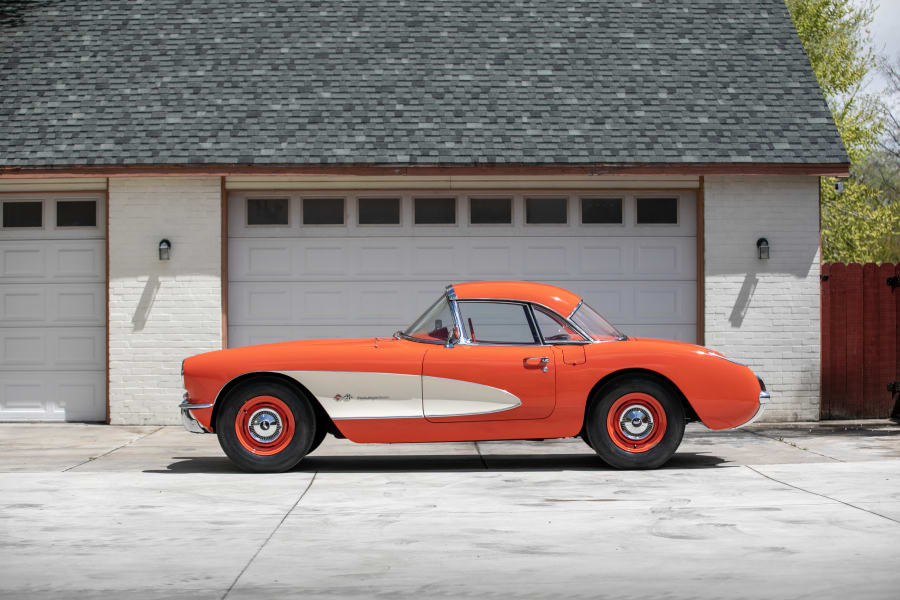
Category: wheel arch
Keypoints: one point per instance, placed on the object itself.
(689, 411)
(322, 418)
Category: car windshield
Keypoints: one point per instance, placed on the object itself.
(595, 325)
(435, 324)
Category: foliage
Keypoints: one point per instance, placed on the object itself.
(862, 223)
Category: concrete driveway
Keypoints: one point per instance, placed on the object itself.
(89, 511)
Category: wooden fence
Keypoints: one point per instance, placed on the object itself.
(860, 339)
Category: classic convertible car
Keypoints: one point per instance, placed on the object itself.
(487, 361)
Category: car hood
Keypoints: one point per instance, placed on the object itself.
(674, 346)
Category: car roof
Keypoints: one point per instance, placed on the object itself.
(558, 299)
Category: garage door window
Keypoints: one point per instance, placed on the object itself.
(601, 211)
(379, 211)
(490, 211)
(546, 211)
(22, 214)
(267, 211)
(76, 213)
(435, 211)
(657, 211)
(497, 323)
(323, 211)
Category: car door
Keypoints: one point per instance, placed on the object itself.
(500, 371)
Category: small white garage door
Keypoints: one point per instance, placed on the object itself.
(52, 308)
(354, 265)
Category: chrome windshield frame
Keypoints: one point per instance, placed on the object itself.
(454, 308)
(462, 338)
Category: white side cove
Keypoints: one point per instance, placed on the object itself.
(453, 397)
(366, 395)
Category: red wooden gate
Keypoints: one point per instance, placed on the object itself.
(860, 339)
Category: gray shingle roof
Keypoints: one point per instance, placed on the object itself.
(111, 82)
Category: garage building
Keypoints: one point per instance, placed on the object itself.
(325, 169)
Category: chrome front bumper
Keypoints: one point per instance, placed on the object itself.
(188, 420)
(764, 398)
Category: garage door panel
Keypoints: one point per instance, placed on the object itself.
(53, 396)
(631, 302)
(324, 304)
(384, 259)
(679, 332)
(25, 307)
(380, 305)
(246, 335)
(609, 258)
(665, 258)
(30, 305)
(41, 348)
(56, 261)
(488, 260)
(546, 260)
(22, 261)
(324, 259)
(430, 259)
(329, 303)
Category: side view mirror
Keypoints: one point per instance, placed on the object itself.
(453, 338)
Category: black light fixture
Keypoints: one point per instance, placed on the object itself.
(164, 247)
(762, 247)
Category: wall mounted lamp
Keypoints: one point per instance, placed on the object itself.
(164, 247)
(762, 248)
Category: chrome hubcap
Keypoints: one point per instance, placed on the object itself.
(265, 425)
(636, 422)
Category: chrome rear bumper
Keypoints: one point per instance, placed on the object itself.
(188, 420)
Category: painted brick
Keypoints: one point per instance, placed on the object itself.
(766, 312)
(160, 311)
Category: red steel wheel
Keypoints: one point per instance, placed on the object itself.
(264, 425)
(636, 422)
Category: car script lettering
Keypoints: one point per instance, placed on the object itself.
(349, 397)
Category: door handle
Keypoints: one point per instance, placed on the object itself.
(543, 360)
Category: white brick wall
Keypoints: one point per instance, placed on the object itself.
(766, 313)
(160, 311)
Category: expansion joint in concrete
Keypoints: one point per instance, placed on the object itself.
(108, 452)
(826, 496)
(271, 535)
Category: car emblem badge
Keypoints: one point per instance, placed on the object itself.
(344, 398)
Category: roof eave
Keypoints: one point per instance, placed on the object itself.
(841, 169)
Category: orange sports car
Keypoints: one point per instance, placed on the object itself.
(487, 361)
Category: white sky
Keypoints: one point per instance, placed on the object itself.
(885, 34)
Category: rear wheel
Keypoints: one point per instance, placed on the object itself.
(635, 423)
(265, 427)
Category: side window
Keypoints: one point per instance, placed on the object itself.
(496, 323)
(553, 329)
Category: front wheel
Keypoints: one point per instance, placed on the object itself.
(635, 423)
(265, 427)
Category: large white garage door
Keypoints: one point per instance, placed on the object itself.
(353, 265)
(52, 308)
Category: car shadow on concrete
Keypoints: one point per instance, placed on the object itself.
(423, 463)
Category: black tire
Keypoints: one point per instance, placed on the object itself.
(304, 429)
(320, 434)
(606, 447)
(585, 437)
